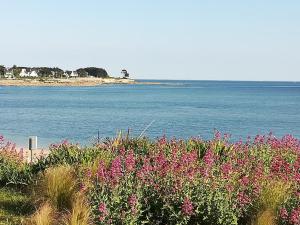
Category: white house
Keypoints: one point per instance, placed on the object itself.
(24, 73)
(33, 73)
(66, 75)
(74, 74)
(9, 74)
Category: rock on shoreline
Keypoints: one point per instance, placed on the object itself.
(66, 82)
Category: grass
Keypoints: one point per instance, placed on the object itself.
(43, 216)
(273, 194)
(58, 186)
(14, 206)
(80, 213)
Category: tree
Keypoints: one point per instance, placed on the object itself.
(92, 71)
(58, 73)
(16, 71)
(82, 73)
(2, 71)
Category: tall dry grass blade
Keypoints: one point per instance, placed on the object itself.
(272, 195)
(58, 186)
(80, 214)
(44, 216)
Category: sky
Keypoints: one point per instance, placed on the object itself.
(156, 39)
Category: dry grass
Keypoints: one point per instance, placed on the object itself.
(80, 214)
(272, 195)
(58, 186)
(266, 217)
(44, 216)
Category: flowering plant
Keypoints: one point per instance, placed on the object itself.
(196, 181)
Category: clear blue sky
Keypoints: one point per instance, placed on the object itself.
(164, 39)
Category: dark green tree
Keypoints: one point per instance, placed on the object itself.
(2, 71)
(93, 71)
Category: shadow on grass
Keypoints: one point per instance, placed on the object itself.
(14, 205)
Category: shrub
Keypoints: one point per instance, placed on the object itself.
(13, 169)
(68, 154)
(195, 181)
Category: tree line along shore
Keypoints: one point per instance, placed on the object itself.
(53, 72)
(54, 76)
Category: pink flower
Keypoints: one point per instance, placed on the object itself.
(243, 199)
(295, 217)
(130, 162)
(187, 207)
(245, 181)
(132, 202)
(101, 173)
(102, 209)
(226, 169)
(283, 213)
(116, 168)
(209, 158)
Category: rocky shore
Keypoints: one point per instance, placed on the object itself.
(66, 82)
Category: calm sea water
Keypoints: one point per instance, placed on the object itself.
(175, 108)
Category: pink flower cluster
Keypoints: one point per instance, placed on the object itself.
(171, 168)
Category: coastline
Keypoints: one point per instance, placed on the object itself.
(76, 82)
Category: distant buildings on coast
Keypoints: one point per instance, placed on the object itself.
(16, 72)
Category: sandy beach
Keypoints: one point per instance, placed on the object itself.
(90, 81)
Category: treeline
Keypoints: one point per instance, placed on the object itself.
(54, 72)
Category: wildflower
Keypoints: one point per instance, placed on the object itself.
(283, 213)
(102, 209)
(209, 158)
(245, 181)
(101, 173)
(226, 169)
(132, 202)
(122, 151)
(116, 168)
(243, 199)
(130, 162)
(187, 207)
(295, 216)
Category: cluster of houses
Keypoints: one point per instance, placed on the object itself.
(32, 73)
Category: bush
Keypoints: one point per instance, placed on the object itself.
(195, 181)
(13, 169)
(67, 154)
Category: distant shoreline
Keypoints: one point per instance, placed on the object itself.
(76, 82)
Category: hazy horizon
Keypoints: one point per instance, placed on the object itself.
(190, 40)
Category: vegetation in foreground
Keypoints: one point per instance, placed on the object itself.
(141, 181)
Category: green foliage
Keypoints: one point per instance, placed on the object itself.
(2, 71)
(92, 71)
(13, 170)
(67, 154)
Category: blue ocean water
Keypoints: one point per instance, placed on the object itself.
(175, 108)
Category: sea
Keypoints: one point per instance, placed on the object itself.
(180, 109)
